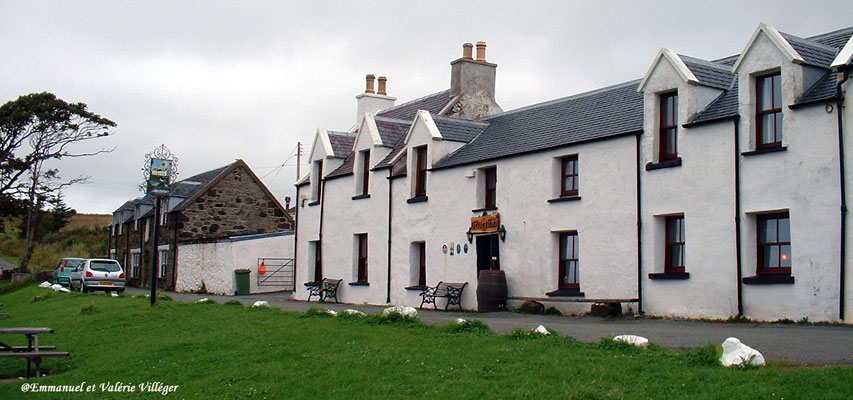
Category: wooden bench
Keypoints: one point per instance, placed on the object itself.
(324, 289)
(32, 351)
(452, 291)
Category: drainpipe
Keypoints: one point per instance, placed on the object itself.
(738, 265)
(639, 233)
(295, 237)
(842, 77)
(388, 295)
(322, 208)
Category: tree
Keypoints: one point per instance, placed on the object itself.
(38, 128)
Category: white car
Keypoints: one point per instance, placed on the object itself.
(98, 274)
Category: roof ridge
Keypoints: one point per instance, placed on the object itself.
(398, 106)
(563, 99)
(809, 42)
(710, 64)
(392, 120)
(460, 120)
(342, 133)
(827, 34)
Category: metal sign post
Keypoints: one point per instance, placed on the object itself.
(159, 170)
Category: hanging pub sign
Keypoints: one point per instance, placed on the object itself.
(159, 171)
(160, 174)
(486, 224)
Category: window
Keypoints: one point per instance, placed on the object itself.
(420, 170)
(362, 257)
(674, 258)
(147, 229)
(421, 264)
(768, 116)
(316, 178)
(135, 224)
(668, 138)
(569, 261)
(774, 244)
(491, 187)
(365, 171)
(569, 176)
(318, 261)
(164, 260)
(134, 264)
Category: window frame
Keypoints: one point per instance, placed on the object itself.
(135, 262)
(490, 187)
(664, 127)
(420, 170)
(422, 264)
(365, 170)
(759, 245)
(562, 260)
(760, 113)
(564, 173)
(164, 262)
(361, 272)
(669, 243)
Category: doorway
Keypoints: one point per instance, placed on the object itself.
(487, 247)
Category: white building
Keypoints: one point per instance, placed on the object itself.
(707, 189)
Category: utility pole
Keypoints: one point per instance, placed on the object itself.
(298, 160)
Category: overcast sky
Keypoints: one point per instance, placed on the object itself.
(218, 81)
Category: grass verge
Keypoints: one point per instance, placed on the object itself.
(223, 351)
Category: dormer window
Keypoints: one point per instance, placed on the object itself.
(768, 116)
(365, 171)
(316, 177)
(668, 132)
(420, 170)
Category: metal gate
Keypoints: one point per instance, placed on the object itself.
(276, 272)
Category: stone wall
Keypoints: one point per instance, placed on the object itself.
(236, 205)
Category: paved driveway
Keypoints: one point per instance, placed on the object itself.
(812, 344)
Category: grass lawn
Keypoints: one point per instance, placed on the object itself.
(233, 352)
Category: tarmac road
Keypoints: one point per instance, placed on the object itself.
(809, 344)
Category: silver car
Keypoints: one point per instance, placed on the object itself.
(98, 274)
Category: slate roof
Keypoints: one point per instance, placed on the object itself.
(185, 190)
(724, 106)
(602, 113)
(392, 130)
(835, 38)
(823, 89)
(458, 130)
(342, 143)
(814, 53)
(386, 162)
(709, 74)
(433, 103)
(344, 169)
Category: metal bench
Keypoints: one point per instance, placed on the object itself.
(324, 289)
(452, 291)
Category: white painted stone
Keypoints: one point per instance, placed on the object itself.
(460, 321)
(204, 300)
(56, 286)
(113, 294)
(737, 353)
(45, 284)
(402, 310)
(64, 290)
(542, 330)
(261, 303)
(332, 312)
(638, 341)
(350, 311)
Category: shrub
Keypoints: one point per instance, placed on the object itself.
(474, 326)
(317, 312)
(393, 318)
(521, 333)
(706, 355)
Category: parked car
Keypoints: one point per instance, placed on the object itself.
(62, 273)
(98, 274)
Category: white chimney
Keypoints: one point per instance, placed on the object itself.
(371, 102)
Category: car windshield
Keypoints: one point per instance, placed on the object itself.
(109, 266)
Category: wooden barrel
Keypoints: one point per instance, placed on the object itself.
(491, 291)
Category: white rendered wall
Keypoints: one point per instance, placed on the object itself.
(214, 263)
(848, 162)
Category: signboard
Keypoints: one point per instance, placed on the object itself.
(160, 173)
(486, 224)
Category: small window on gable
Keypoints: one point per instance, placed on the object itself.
(768, 115)
(569, 176)
(316, 177)
(490, 192)
(365, 171)
(420, 170)
(668, 132)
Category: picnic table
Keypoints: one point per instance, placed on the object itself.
(32, 351)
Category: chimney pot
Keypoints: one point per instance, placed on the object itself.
(481, 51)
(467, 49)
(369, 88)
(382, 81)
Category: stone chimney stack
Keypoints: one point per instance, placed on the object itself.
(372, 102)
(472, 84)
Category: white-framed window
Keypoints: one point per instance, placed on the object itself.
(135, 224)
(147, 229)
(134, 263)
(164, 259)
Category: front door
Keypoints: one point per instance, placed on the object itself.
(487, 249)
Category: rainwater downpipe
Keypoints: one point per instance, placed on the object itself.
(738, 265)
(842, 77)
(388, 295)
(639, 234)
(322, 209)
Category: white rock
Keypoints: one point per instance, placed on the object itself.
(64, 290)
(204, 300)
(638, 341)
(44, 284)
(460, 321)
(332, 312)
(402, 310)
(261, 303)
(56, 287)
(350, 311)
(541, 330)
(737, 353)
(114, 294)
